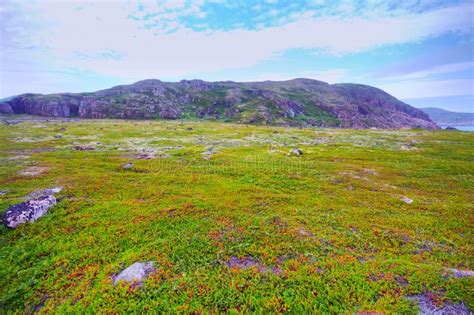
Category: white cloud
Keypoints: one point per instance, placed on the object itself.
(431, 82)
(433, 71)
(187, 51)
(63, 30)
(429, 88)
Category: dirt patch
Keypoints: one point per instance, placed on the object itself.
(33, 171)
(249, 262)
(19, 157)
(303, 232)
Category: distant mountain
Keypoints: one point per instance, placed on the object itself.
(445, 117)
(298, 102)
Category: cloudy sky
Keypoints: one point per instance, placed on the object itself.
(419, 51)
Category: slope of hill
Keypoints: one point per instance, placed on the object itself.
(445, 117)
(298, 102)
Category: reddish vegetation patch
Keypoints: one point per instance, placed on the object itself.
(249, 262)
(304, 233)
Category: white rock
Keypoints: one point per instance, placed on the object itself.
(406, 200)
(137, 272)
(295, 151)
(127, 166)
(28, 211)
(458, 273)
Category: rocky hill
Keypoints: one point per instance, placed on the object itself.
(446, 117)
(298, 102)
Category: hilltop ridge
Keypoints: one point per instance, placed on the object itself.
(297, 102)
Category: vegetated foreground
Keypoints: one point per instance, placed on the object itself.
(364, 220)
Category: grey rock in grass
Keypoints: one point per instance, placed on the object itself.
(210, 151)
(136, 272)
(28, 211)
(458, 273)
(426, 302)
(83, 148)
(407, 200)
(127, 166)
(296, 152)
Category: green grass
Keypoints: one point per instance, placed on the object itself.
(364, 250)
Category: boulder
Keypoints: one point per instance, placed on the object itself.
(127, 166)
(83, 148)
(210, 151)
(136, 272)
(28, 211)
(406, 200)
(296, 152)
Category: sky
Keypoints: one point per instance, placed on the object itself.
(420, 51)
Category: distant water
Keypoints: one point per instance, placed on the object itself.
(463, 128)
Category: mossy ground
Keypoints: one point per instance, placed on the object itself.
(331, 221)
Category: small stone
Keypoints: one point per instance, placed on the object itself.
(145, 156)
(210, 151)
(189, 128)
(83, 148)
(28, 211)
(305, 233)
(458, 273)
(406, 200)
(127, 166)
(58, 136)
(296, 152)
(136, 272)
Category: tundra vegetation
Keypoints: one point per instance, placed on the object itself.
(227, 220)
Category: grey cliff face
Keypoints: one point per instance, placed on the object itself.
(299, 102)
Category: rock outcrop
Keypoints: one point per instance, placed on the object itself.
(28, 211)
(298, 102)
(135, 273)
